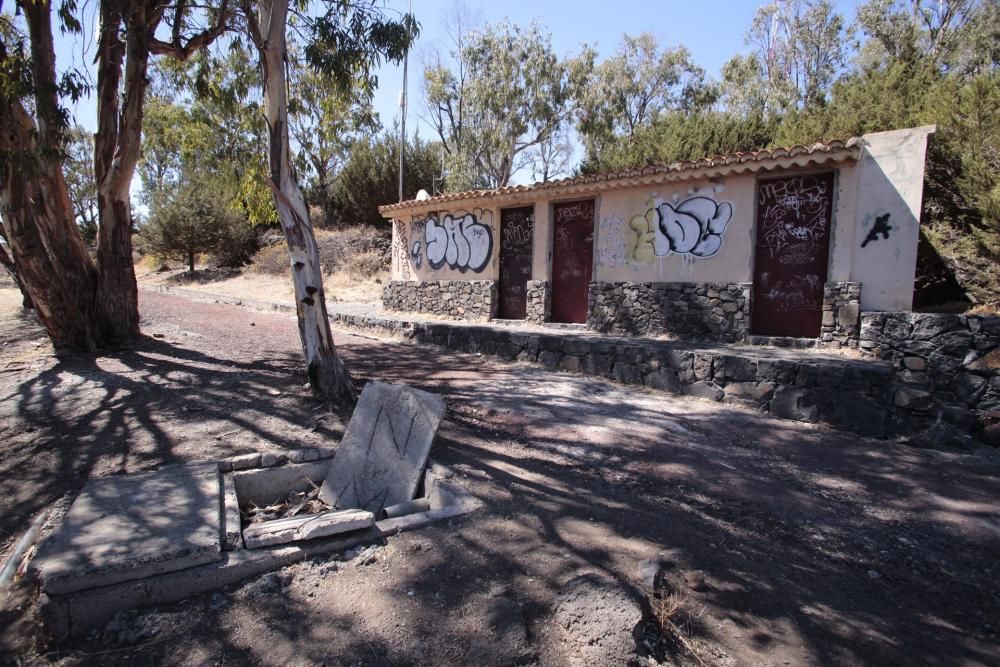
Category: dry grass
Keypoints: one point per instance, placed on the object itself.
(339, 286)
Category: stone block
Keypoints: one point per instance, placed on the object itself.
(847, 315)
(381, 457)
(244, 461)
(596, 364)
(914, 363)
(549, 359)
(664, 379)
(626, 373)
(569, 363)
(757, 393)
(704, 389)
(741, 369)
(931, 325)
(797, 403)
(969, 387)
(912, 399)
(855, 412)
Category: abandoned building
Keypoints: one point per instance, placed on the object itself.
(792, 243)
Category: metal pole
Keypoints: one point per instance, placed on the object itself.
(402, 114)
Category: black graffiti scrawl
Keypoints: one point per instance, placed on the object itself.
(881, 226)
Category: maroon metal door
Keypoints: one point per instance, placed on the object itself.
(517, 226)
(793, 244)
(572, 260)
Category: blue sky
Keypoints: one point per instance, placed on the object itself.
(713, 30)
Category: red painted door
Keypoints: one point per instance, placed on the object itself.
(572, 260)
(517, 227)
(793, 247)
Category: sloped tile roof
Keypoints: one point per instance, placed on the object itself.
(835, 150)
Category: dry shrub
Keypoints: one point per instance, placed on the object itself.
(271, 260)
(361, 251)
(366, 266)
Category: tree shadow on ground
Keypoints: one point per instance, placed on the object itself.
(815, 546)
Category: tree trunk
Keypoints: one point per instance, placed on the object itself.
(327, 374)
(46, 248)
(116, 154)
(191, 261)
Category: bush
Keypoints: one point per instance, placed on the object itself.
(360, 251)
(196, 218)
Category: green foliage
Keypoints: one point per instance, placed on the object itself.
(78, 168)
(369, 179)
(632, 88)
(196, 217)
(324, 123)
(216, 128)
(504, 93)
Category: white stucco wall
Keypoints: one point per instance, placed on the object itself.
(887, 220)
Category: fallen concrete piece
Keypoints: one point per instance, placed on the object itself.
(280, 531)
(134, 526)
(383, 453)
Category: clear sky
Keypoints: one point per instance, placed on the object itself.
(713, 30)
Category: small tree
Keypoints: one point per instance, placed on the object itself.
(193, 219)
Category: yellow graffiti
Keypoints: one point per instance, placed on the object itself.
(644, 227)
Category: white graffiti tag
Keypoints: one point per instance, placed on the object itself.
(461, 242)
(694, 227)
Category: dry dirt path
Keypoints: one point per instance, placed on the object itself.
(788, 544)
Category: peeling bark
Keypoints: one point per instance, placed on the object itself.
(327, 373)
(46, 248)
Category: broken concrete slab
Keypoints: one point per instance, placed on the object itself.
(292, 529)
(382, 456)
(134, 526)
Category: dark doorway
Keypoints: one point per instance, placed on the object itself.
(793, 247)
(517, 227)
(572, 260)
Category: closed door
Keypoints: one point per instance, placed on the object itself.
(572, 260)
(792, 251)
(517, 227)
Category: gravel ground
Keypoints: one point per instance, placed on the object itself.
(783, 543)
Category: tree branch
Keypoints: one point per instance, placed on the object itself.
(177, 49)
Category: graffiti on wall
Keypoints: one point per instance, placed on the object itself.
(799, 292)
(401, 250)
(459, 240)
(693, 228)
(880, 228)
(611, 242)
(794, 212)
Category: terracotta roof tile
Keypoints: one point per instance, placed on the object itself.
(739, 158)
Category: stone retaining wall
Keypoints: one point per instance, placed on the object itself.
(474, 300)
(841, 324)
(711, 311)
(947, 368)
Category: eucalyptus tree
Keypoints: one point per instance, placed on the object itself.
(636, 84)
(503, 95)
(84, 304)
(346, 41)
(324, 123)
(800, 48)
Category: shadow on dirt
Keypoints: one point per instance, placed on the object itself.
(842, 549)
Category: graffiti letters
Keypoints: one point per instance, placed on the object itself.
(881, 226)
(694, 227)
(793, 212)
(460, 241)
(611, 242)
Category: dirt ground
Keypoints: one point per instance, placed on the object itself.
(785, 544)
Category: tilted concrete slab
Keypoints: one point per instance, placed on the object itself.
(129, 527)
(383, 453)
